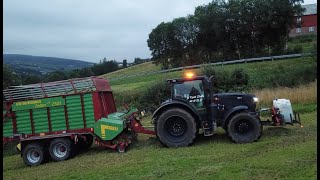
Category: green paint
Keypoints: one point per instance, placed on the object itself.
(88, 110)
(40, 120)
(57, 114)
(109, 128)
(74, 109)
(23, 122)
(38, 103)
(7, 127)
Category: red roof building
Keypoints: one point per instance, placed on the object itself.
(307, 23)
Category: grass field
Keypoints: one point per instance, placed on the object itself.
(259, 73)
(281, 153)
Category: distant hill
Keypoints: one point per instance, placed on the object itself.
(22, 64)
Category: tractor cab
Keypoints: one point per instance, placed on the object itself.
(195, 90)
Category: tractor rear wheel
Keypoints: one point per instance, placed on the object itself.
(60, 149)
(244, 128)
(176, 128)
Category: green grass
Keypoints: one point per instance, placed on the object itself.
(259, 74)
(306, 42)
(132, 70)
(281, 153)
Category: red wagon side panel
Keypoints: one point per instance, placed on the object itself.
(103, 103)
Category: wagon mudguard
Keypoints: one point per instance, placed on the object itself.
(231, 113)
(176, 103)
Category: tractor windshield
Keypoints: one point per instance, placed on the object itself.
(192, 91)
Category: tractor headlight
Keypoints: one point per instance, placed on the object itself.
(255, 99)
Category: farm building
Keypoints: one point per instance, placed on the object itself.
(307, 23)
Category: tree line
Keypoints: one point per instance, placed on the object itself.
(224, 30)
(11, 78)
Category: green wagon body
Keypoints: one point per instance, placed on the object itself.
(39, 111)
(58, 112)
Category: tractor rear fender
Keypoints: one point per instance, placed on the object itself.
(177, 103)
(231, 113)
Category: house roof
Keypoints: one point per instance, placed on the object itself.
(310, 9)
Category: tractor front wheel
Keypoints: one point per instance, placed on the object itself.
(244, 128)
(176, 128)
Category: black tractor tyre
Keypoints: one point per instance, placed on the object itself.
(176, 128)
(60, 149)
(33, 154)
(244, 128)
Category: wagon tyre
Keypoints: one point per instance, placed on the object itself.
(60, 149)
(176, 128)
(33, 154)
(244, 128)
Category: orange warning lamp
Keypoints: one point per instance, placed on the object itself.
(189, 75)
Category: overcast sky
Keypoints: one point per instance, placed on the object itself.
(88, 30)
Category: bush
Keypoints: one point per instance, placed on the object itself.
(154, 95)
(225, 81)
(239, 77)
(295, 49)
(303, 39)
(295, 77)
(314, 51)
(148, 99)
(129, 98)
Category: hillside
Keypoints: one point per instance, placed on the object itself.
(41, 65)
(259, 73)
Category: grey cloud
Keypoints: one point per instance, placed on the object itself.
(87, 30)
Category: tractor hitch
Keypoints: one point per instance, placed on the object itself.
(278, 119)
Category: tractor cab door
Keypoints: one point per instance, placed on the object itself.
(192, 91)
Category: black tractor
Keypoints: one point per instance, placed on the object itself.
(194, 106)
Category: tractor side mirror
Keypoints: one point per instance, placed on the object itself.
(211, 78)
(201, 86)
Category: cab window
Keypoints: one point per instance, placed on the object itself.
(191, 91)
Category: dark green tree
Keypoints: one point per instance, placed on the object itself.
(138, 60)
(9, 77)
(30, 79)
(124, 63)
(224, 30)
(161, 43)
(56, 76)
(104, 67)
